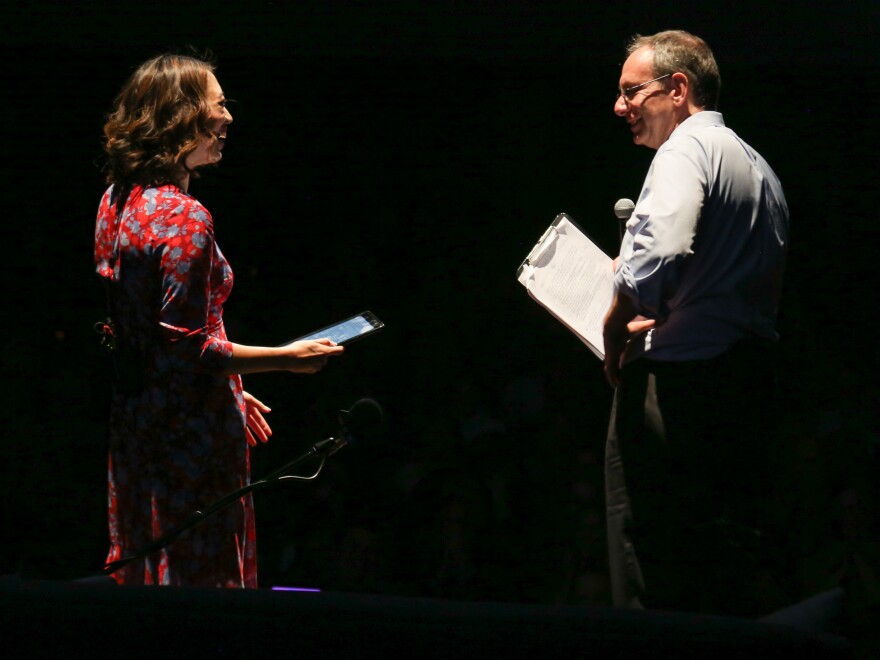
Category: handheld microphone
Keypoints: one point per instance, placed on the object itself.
(623, 210)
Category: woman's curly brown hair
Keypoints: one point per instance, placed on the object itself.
(157, 121)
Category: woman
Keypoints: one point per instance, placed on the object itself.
(180, 424)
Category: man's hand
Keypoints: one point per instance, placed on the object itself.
(622, 323)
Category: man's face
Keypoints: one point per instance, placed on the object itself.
(650, 112)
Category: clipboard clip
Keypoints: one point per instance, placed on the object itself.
(543, 243)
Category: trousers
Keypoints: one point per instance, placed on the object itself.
(690, 465)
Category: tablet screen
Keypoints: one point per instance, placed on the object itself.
(344, 331)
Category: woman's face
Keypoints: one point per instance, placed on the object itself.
(210, 149)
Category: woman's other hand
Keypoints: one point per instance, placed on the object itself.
(256, 425)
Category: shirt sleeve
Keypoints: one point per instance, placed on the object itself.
(660, 233)
(187, 266)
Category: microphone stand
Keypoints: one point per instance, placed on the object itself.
(322, 450)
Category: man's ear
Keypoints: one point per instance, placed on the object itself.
(681, 88)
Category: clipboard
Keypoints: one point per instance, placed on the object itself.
(572, 278)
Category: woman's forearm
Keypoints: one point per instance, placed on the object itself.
(301, 356)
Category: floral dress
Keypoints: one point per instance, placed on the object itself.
(177, 427)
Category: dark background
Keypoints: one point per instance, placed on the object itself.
(404, 158)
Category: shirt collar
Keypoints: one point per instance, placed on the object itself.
(702, 119)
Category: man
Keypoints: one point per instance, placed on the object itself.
(688, 345)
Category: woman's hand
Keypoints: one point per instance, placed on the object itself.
(255, 425)
(305, 357)
(310, 356)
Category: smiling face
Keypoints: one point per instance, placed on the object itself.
(210, 149)
(653, 112)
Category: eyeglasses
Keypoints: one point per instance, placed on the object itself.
(629, 93)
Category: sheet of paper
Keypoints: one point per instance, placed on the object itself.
(573, 279)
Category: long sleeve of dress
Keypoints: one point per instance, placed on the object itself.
(187, 268)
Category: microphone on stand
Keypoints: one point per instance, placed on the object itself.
(363, 419)
(623, 209)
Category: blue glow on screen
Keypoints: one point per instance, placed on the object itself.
(345, 330)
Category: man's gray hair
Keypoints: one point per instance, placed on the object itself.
(679, 51)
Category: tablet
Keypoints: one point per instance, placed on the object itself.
(347, 331)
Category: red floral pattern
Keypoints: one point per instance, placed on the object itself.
(177, 439)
